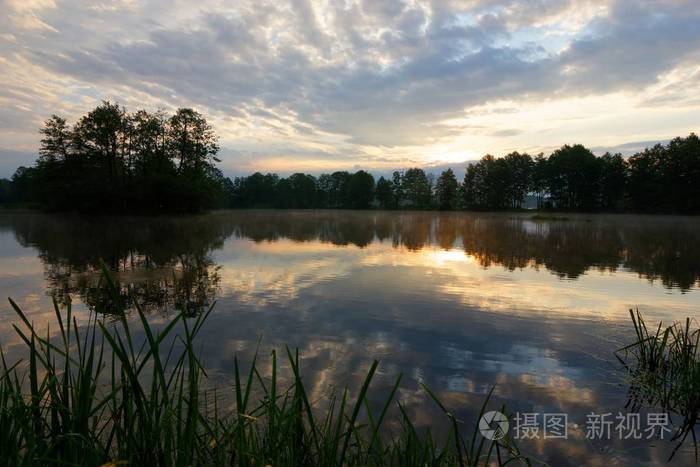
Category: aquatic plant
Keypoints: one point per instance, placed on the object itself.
(95, 395)
(663, 366)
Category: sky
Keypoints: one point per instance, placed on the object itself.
(309, 85)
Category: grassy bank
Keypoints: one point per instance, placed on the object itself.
(93, 395)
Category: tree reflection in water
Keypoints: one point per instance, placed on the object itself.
(168, 262)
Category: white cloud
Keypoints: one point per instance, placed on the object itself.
(371, 83)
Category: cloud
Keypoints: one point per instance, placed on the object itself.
(370, 76)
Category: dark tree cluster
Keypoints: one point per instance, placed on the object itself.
(664, 178)
(112, 160)
(115, 161)
(340, 190)
(301, 191)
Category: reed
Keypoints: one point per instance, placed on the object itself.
(97, 395)
(663, 365)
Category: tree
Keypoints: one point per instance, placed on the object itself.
(485, 184)
(112, 160)
(361, 189)
(518, 177)
(55, 141)
(325, 188)
(385, 193)
(397, 186)
(446, 190)
(613, 181)
(680, 169)
(256, 190)
(574, 175)
(192, 141)
(303, 190)
(540, 179)
(645, 188)
(339, 192)
(665, 178)
(467, 189)
(148, 143)
(97, 136)
(5, 191)
(24, 184)
(416, 187)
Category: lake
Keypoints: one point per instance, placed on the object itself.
(457, 301)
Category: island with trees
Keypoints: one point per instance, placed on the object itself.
(115, 161)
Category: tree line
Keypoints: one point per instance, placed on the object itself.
(663, 178)
(113, 160)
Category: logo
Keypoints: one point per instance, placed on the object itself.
(493, 425)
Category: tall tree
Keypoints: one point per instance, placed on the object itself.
(148, 143)
(574, 177)
(193, 141)
(361, 189)
(384, 192)
(55, 141)
(518, 177)
(98, 136)
(416, 187)
(446, 190)
(339, 192)
(303, 190)
(325, 189)
(397, 186)
(540, 179)
(613, 181)
(680, 169)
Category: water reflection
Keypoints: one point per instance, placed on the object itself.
(165, 263)
(169, 261)
(657, 248)
(457, 301)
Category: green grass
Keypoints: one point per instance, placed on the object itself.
(94, 395)
(664, 371)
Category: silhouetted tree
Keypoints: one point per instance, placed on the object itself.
(485, 184)
(303, 190)
(193, 141)
(573, 177)
(416, 188)
(539, 181)
(112, 160)
(55, 142)
(361, 189)
(680, 173)
(397, 186)
(325, 188)
(517, 170)
(446, 190)
(256, 190)
(613, 182)
(385, 193)
(339, 193)
(5, 191)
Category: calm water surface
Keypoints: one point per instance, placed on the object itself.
(456, 301)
